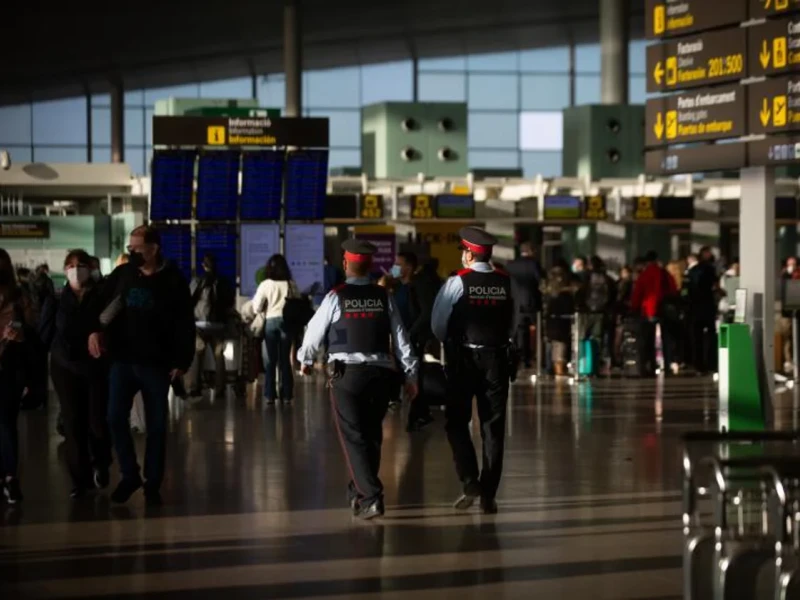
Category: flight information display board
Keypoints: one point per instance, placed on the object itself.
(258, 243)
(562, 207)
(305, 249)
(455, 206)
(171, 184)
(220, 241)
(262, 185)
(176, 245)
(217, 185)
(306, 182)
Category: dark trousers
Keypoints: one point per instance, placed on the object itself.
(216, 342)
(483, 374)
(360, 399)
(704, 344)
(9, 432)
(420, 408)
(523, 337)
(125, 381)
(646, 344)
(84, 410)
(278, 359)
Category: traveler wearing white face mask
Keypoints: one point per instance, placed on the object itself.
(80, 381)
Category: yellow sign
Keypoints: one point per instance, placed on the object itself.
(765, 113)
(372, 207)
(672, 124)
(442, 240)
(460, 190)
(778, 52)
(644, 208)
(781, 4)
(596, 207)
(658, 128)
(658, 73)
(421, 207)
(764, 56)
(779, 111)
(216, 135)
(672, 70)
(659, 19)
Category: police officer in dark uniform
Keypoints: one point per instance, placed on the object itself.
(473, 317)
(362, 326)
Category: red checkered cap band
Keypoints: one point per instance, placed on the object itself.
(476, 248)
(357, 258)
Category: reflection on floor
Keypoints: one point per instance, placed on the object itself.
(255, 505)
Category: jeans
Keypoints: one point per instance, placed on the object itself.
(9, 432)
(153, 382)
(216, 341)
(278, 359)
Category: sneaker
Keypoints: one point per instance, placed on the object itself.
(101, 478)
(371, 510)
(125, 489)
(12, 491)
(472, 491)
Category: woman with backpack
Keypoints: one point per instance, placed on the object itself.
(270, 300)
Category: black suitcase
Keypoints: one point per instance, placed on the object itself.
(629, 349)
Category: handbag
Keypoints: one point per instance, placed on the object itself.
(297, 310)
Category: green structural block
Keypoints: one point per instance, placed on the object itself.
(740, 402)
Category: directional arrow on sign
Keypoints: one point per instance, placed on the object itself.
(767, 3)
(658, 128)
(658, 73)
(765, 113)
(764, 55)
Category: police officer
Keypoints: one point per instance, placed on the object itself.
(358, 320)
(473, 317)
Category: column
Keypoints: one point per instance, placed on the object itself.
(117, 123)
(757, 256)
(293, 58)
(89, 124)
(614, 27)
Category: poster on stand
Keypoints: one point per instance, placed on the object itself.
(258, 243)
(305, 251)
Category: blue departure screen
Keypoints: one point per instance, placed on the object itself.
(176, 245)
(262, 185)
(306, 182)
(217, 185)
(221, 242)
(171, 184)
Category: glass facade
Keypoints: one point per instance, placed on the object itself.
(514, 100)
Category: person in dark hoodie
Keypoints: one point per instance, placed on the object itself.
(80, 381)
(146, 325)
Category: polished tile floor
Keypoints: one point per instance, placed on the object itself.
(255, 505)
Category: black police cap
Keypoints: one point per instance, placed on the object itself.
(359, 247)
(476, 240)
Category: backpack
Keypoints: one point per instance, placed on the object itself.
(598, 293)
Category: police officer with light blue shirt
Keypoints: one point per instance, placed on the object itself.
(358, 320)
(473, 317)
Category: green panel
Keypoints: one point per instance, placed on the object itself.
(455, 139)
(741, 406)
(177, 107)
(121, 226)
(579, 240)
(397, 139)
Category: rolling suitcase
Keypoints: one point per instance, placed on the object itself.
(629, 349)
(587, 358)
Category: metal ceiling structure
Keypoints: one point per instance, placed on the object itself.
(59, 49)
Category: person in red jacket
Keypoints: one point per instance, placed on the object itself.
(652, 286)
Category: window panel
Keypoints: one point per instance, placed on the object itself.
(545, 60)
(344, 158)
(345, 126)
(19, 154)
(101, 126)
(493, 159)
(101, 100)
(545, 92)
(49, 154)
(60, 121)
(15, 124)
(134, 126)
(637, 89)
(134, 158)
(272, 91)
(541, 131)
(587, 58)
(448, 87)
(335, 88)
(148, 126)
(501, 61)
(547, 164)
(637, 55)
(493, 130)
(494, 91)
(133, 98)
(453, 63)
(101, 154)
(587, 89)
(387, 82)
(190, 90)
(236, 88)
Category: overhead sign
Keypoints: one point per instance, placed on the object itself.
(777, 151)
(775, 105)
(341, 206)
(667, 18)
(707, 114)
(648, 208)
(644, 208)
(695, 61)
(371, 206)
(712, 157)
(594, 208)
(238, 131)
(562, 207)
(760, 9)
(774, 47)
(27, 230)
(422, 206)
(455, 206)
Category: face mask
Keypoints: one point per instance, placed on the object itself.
(396, 271)
(96, 275)
(136, 259)
(790, 268)
(77, 275)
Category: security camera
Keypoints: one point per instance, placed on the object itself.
(446, 124)
(408, 154)
(445, 154)
(5, 160)
(409, 124)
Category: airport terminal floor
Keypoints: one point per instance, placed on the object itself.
(255, 507)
